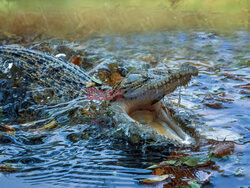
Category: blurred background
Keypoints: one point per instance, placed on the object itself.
(71, 19)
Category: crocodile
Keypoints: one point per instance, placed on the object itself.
(139, 110)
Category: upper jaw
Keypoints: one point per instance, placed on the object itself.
(158, 84)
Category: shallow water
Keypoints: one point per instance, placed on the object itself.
(78, 155)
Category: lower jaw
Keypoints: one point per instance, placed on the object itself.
(159, 119)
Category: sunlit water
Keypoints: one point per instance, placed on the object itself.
(78, 155)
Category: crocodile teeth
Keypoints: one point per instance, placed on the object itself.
(177, 75)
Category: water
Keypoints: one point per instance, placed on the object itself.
(77, 154)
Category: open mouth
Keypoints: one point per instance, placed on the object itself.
(157, 116)
(144, 104)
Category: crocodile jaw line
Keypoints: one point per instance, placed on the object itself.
(158, 117)
(153, 113)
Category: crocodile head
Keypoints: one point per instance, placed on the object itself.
(141, 105)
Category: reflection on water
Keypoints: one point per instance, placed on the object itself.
(77, 154)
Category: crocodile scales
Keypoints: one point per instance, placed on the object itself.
(49, 71)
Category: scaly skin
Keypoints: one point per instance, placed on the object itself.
(51, 72)
(46, 70)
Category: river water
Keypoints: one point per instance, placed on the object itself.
(76, 154)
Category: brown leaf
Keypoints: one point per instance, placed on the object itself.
(115, 78)
(7, 129)
(245, 86)
(215, 105)
(90, 84)
(76, 60)
(223, 148)
(181, 175)
(234, 77)
(224, 100)
(85, 112)
(173, 155)
(7, 169)
(155, 179)
(50, 125)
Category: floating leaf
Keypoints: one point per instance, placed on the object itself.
(96, 80)
(51, 125)
(195, 160)
(245, 86)
(244, 62)
(202, 175)
(90, 84)
(76, 60)
(180, 175)
(180, 105)
(170, 162)
(234, 77)
(163, 163)
(7, 168)
(215, 105)
(239, 172)
(113, 66)
(85, 112)
(194, 184)
(153, 166)
(7, 129)
(114, 79)
(223, 149)
(155, 179)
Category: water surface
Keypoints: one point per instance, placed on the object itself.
(76, 154)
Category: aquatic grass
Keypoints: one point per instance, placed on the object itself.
(72, 19)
